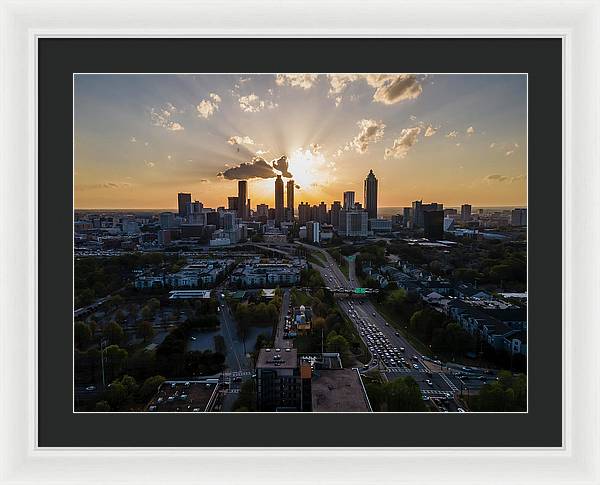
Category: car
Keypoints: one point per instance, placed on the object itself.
(396, 334)
(402, 349)
(429, 383)
(460, 410)
(425, 398)
(414, 357)
(415, 366)
(387, 324)
(90, 388)
(466, 369)
(373, 314)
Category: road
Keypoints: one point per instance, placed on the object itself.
(279, 341)
(442, 386)
(235, 360)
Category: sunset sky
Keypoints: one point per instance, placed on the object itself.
(453, 139)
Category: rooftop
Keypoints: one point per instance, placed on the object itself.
(338, 390)
(277, 359)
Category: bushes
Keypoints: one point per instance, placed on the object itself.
(401, 394)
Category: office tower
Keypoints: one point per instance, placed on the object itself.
(465, 212)
(262, 211)
(518, 217)
(213, 219)
(314, 213)
(195, 215)
(281, 381)
(290, 200)
(232, 203)
(433, 224)
(417, 213)
(279, 212)
(303, 212)
(229, 220)
(313, 231)
(183, 202)
(450, 212)
(348, 200)
(354, 223)
(242, 199)
(334, 213)
(406, 216)
(166, 220)
(271, 214)
(370, 195)
(322, 213)
(248, 211)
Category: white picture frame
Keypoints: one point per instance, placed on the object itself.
(577, 23)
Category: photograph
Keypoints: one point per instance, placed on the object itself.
(300, 242)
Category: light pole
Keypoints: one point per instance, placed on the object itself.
(102, 363)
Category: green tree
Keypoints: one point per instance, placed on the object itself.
(83, 335)
(116, 394)
(146, 331)
(120, 317)
(147, 313)
(113, 332)
(150, 387)
(115, 358)
(102, 406)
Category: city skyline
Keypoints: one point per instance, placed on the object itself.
(447, 138)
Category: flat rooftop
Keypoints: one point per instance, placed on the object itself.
(338, 391)
(277, 358)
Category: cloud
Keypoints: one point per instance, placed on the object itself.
(496, 177)
(509, 153)
(430, 131)
(408, 137)
(104, 185)
(394, 88)
(262, 152)
(339, 82)
(338, 101)
(315, 148)
(149, 164)
(470, 130)
(208, 107)
(240, 140)
(133, 139)
(257, 168)
(452, 134)
(458, 144)
(371, 131)
(303, 80)
(204, 181)
(162, 117)
(412, 118)
(253, 104)
(518, 178)
(492, 145)
(281, 164)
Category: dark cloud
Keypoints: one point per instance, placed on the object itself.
(496, 177)
(257, 168)
(281, 164)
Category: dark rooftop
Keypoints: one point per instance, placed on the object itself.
(338, 390)
(277, 358)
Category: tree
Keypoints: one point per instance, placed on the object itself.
(129, 383)
(116, 394)
(146, 331)
(120, 317)
(102, 406)
(115, 301)
(115, 358)
(83, 335)
(150, 387)
(147, 312)
(113, 332)
(318, 323)
(337, 343)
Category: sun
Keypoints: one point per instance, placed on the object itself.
(310, 168)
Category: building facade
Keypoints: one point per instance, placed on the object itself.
(370, 195)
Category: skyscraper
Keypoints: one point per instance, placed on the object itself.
(279, 212)
(433, 224)
(232, 203)
(303, 212)
(518, 217)
(183, 202)
(242, 208)
(370, 195)
(290, 199)
(465, 212)
(322, 213)
(334, 213)
(348, 200)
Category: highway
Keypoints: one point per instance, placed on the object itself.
(279, 341)
(381, 338)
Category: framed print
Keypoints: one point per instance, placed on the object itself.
(325, 247)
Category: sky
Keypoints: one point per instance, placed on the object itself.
(451, 139)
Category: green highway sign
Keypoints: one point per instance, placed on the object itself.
(360, 291)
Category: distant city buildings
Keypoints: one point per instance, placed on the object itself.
(290, 200)
(348, 200)
(433, 221)
(518, 217)
(183, 202)
(354, 223)
(465, 212)
(279, 210)
(243, 210)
